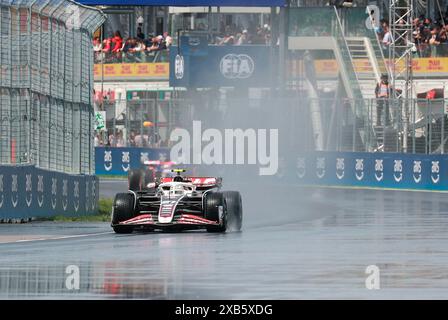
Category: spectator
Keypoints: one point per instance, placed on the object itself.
(155, 140)
(111, 140)
(119, 139)
(228, 39)
(115, 48)
(434, 41)
(138, 49)
(96, 142)
(427, 24)
(387, 38)
(443, 41)
(152, 44)
(129, 49)
(243, 38)
(259, 37)
(382, 93)
(140, 34)
(266, 28)
(145, 140)
(97, 46)
(168, 39)
(97, 49)
(157, 44)
(140, 21)
(132, 139)
(118, 42)
(138, 140)
(107, 45)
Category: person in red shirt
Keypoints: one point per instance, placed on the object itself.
(118, 45)
(118, 42)
(107, 43)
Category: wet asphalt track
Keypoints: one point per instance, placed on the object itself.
(317, 249)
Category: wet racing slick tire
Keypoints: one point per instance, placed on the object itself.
(234, 209)
(213, 201)
(135, 179)
(123, 209)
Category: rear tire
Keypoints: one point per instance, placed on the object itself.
(234, 209)
(158, 175)
(123, 209)
(212, 203)
(135, 179)
(147, 177)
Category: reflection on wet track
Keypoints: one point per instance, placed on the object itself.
(320, 251)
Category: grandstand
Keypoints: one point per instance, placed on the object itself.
(132, 62)
(344, 44)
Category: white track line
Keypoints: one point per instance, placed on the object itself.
(58, 238)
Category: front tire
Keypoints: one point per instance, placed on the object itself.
(123, 210)
(213, 203)
(123, 229)
(235, 209)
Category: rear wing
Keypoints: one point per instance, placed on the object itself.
(158, 163)
(198, 181)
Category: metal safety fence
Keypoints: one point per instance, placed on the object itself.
(46, 82)
(304, 124)
(132, 57)
(141, 122)
(377, 125)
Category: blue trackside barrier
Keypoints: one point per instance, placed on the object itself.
(28, 192)
(339, 169)
(375, 170)
(348, 169)
(118, 161)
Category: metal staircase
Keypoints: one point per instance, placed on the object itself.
(366, 65)
(352, 82)
(369, 65)
(359, 86)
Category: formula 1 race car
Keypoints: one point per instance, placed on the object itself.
(151, 171)
(178, 203)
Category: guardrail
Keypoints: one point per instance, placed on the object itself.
(29, 192)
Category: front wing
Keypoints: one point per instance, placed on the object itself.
(187, 220)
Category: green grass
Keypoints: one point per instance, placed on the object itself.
(105, 206)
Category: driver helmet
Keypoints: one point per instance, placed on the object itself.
(178, 179)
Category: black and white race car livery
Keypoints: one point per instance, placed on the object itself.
(177, 203)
